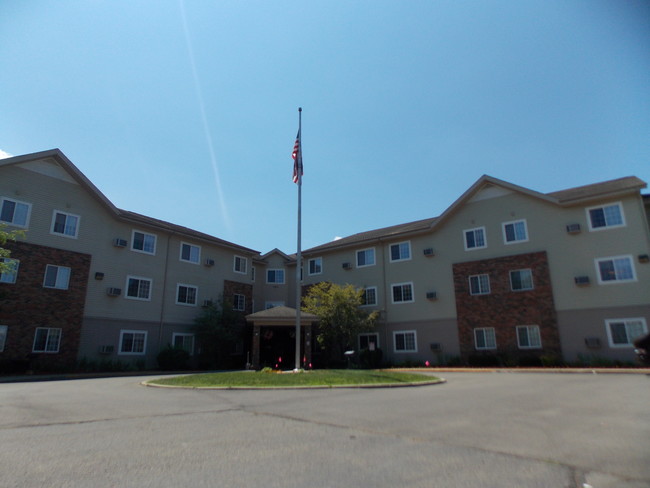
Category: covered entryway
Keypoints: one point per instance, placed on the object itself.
(274, 339)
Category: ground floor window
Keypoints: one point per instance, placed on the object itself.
(485, 338)
(3, 336)
(405, 341)
(528, 337)
(622, 332)
(47, 340)
(133, 342)
(184, 341)
(368, 341)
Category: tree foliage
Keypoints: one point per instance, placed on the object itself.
(218, 329)
(341, 319)
(6, 236)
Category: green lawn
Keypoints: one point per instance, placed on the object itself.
(315, 378)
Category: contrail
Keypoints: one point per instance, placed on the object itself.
(204, 119)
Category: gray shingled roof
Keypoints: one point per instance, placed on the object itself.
(619, 185)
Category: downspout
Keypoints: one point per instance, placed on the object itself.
(164, 292)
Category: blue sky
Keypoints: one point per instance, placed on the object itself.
(187, 111)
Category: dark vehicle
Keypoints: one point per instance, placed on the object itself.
(642, 349)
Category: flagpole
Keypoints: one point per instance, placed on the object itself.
(299, 252)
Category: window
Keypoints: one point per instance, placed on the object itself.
(479, 284)
(400, 252)
(47, 340)
(521, 279)
(186, 294)
(183, 341)
(190, 253)
(65, 224)
(14, 212)
(622, 332)
(239, 302)
(605, 216)
(405, 341)
(514, 232)
(366, 257)
(475, 238)
(133, 342)
(484, 338)
(10, 275)
(369, 296)
(252, 273)
(528, 337)
(56, 277)
(138, 288)
(368, 341)
(3, 337)
(240, 265)
(268, 305)
(142, 242)
(315, 266)
(402, 292)
(275, 276)
(615, 269)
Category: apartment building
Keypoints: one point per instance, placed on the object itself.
(505, 272)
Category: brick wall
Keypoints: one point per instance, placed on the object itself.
(26, 305)
(504, 309)
(246, 289)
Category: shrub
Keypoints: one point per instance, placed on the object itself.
(173, 358)
(371, 359)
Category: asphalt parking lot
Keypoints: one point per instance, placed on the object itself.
(490, 429)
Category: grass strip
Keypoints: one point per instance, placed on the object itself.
(315, 378)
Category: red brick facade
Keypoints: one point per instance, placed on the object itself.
(230, 288)
(504, 309)
(26, 305)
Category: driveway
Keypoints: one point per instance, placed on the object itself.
(477, 430)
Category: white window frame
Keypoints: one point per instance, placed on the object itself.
(17, 203)
(513, 223)
(399, 247)
(530, 274)
(537, 337)
(368, 335)
(240, 264)
(614, 260)
(405, 332)
(65, 225)
(481, 282)
(474, 231)
(318, 266)
(365, 296)
(365, 251)
(52, 340)
(143, 333)
(191, 247)
(626, 322)
(183, 345)
(402, 286)
(4, 331)
(61, 278)
(606, 226)
(139, 278)
(239, 302)
(489, 338)
(144, 242)
(10, 277)
(187, 287)
(276, 279)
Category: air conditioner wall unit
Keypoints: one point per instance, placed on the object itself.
(119, 242)
(207, 303)
(581, 280)
(428, 252)
(106, 349)
(347, 265)
(432, 295)
(209, 262)
(114, 292)
(592, 342)
(573, 228)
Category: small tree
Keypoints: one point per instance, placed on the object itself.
(5, 236)
(218, 329)
(341, 319)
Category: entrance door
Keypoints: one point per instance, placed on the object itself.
(277, 347)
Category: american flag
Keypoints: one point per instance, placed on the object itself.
(296, 154)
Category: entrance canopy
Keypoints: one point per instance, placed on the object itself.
(281, 316)
(273, 330)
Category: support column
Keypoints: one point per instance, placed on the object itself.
(256, 347)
